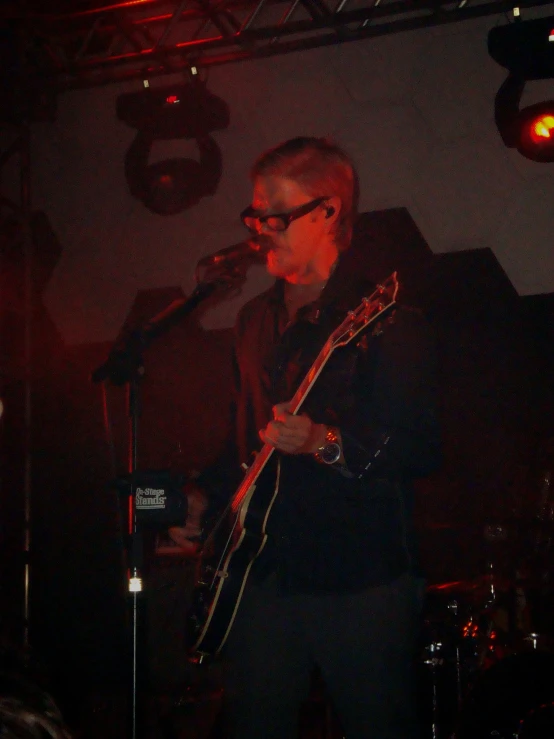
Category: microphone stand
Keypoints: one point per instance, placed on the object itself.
(124, 365)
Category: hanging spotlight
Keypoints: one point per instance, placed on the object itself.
(537, 132)
(542, 127)
(186, 111)
(526, 49)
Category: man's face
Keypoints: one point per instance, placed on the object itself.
(292, 252)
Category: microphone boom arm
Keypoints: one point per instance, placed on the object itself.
(124, 360)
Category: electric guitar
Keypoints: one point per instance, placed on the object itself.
(239, 535)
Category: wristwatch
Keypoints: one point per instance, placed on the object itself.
(330, 452)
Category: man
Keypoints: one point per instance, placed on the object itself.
(336, 585)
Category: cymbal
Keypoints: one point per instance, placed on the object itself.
(481, 583)
(454, 586)
(445, 526)
(492, 533)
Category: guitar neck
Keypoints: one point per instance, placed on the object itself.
(263, 456)
(307, 383)
(371, 308)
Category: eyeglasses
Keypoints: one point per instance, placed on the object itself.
(277, 221)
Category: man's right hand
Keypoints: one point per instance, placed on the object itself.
(188, 537)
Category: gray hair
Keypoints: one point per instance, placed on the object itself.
(323, 169)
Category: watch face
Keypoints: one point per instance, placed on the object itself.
(330, 453)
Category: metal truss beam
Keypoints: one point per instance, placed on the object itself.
(98, 44)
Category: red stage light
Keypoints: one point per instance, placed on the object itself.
(536, 133)
(187, 111)
(542, 128)
(526, 49)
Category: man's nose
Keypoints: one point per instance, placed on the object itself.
(264, 228)
(256, 227)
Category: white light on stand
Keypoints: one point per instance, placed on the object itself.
(135, 585)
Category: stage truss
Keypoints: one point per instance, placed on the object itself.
(84, 43)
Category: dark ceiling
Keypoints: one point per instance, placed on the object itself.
(67, 44)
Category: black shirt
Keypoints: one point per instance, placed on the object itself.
(332, 529)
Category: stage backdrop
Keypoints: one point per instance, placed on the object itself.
(446, 203)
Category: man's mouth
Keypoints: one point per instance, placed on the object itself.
(270, 246)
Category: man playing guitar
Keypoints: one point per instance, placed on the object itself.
(335, 583)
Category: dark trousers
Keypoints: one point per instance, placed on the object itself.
(363, 644)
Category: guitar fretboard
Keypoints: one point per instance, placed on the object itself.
(264, 455)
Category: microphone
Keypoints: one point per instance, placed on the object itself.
(251, 249)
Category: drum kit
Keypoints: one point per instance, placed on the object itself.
(487, 657)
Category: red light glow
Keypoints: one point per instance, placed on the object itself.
(172, 99)
(542, 128)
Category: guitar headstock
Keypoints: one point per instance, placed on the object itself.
(369, 310)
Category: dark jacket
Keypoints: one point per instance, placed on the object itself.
(332, 529)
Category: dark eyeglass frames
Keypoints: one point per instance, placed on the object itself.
(277, 221)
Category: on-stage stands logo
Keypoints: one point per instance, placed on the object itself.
(149, 498)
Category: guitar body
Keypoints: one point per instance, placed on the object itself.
(240, 534)
(220, 581)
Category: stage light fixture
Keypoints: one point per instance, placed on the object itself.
(542, 127)
(526, 50)
(530, 130)
(537, 132)
(186, 111)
